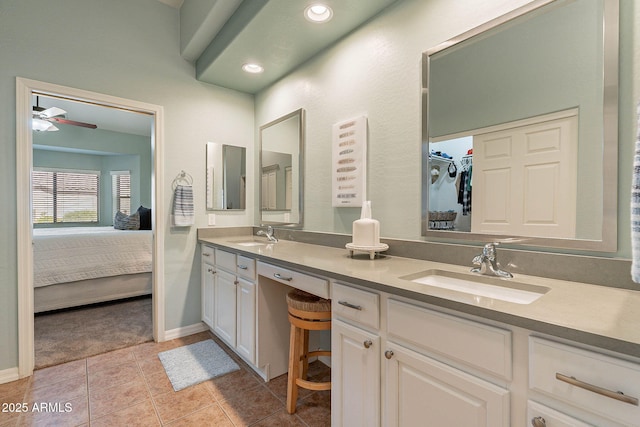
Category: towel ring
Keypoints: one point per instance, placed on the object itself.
(183, 178)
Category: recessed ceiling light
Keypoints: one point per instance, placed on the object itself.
(252, 68)
(318, 13)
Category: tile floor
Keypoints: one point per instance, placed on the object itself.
(129, 387)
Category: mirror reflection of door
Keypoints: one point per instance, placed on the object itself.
(288, 184)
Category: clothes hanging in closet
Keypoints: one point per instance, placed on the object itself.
(464, 191)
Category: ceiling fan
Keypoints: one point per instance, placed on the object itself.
(43, 118)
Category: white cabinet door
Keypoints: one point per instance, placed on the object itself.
(208, 282)
(225, 307)
(246, 320)
(421, 391)
(355, 376)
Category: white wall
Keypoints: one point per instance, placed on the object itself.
(128, 49)
(377, 71)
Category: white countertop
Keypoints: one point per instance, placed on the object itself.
(601, 316)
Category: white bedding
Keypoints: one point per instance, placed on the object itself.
(79, 253)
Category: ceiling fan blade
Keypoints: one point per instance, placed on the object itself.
(52, 112)
(72, 122)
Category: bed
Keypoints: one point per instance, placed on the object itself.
(83, 265)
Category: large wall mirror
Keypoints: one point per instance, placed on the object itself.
(281, 170)
(226, 171)
(520, 129)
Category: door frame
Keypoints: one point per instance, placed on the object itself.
(24, 165)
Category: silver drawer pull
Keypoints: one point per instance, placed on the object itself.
(348, 304)
(538, 422)
(281, 277)
(242, 267)
(206, 254)
(617, 395)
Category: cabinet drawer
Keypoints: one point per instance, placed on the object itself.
(355, 304)
(208, 254)
(592, 381)
(552, 418)
(226, 260)
(480, 346)
(304, 282)
(246, 267)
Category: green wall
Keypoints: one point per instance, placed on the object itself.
(100, 150)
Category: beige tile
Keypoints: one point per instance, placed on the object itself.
(64, 390)
(278, 386)
(109, 360)
(74, 412)
(53, 374)
(191, 339)
(13, 388)
(257, 404)
(232, 385)
(152, 348)
(280, 419)
(158, 383)
(118, 397)
(315, 410)
(114, 375)
(139, 415)
(10, 417)
(174, 405)
(150, 365)
(210, 416)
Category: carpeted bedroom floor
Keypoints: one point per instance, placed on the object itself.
(78, 333)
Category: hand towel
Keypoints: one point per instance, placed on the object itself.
(635, 208)
(183, 212)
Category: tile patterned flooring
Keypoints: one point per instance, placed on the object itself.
(129, 387)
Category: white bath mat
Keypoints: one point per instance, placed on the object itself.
(195, 363)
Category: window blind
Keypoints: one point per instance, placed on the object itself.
(65, 197)
(121, 190)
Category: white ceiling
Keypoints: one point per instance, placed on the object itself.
(106, 118)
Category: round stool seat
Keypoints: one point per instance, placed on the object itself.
(304, 301)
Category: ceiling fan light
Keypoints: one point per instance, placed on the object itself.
(318, 13)
(42, 125)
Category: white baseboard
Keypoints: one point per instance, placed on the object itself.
(185, 331)
(8, 375)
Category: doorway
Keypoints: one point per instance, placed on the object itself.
(25, 90)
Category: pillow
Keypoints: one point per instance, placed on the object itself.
(145, 218)
(124, 222)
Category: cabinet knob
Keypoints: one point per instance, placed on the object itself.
(367, 344)
(538, 422)
(235, 282)
(388, 354)
(211, 270)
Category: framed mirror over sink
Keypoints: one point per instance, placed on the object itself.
(226, 177)
(281, 171)
(520, 129)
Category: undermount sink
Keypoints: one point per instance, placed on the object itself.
(248, 243)
(480, 286)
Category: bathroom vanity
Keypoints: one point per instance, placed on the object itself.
(407, 352)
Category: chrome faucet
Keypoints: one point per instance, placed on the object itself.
(488, 262)
(268, 234)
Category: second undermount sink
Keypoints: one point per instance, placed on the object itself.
(480, 286)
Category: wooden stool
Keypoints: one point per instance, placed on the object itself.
(307, 312)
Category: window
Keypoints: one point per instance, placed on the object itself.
(61, 196)
(121, 191)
